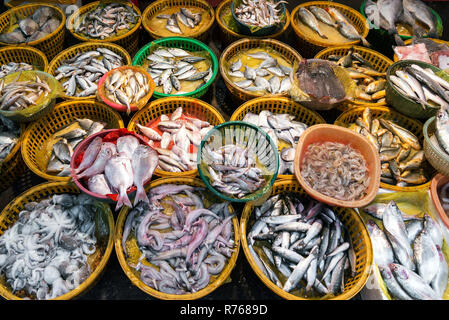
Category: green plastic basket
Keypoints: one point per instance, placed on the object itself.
(384, 33)
(246, 135)
(188, 44)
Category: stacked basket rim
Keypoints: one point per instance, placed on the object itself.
(50, 44)
(281, 48)
(154, 7)
(10, 214)
(80, 48)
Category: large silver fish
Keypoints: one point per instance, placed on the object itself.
(144, 161)
(119, 173)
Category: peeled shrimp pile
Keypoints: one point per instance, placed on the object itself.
(336, 170)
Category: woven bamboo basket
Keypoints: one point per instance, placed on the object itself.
(128, 40)
(39, 133)
(379, 62)
(104, 234)
(12, 167)
(414, 126)
(278, 105)
(133, 275)
(228, 35)
(51, 44)
(72, 51)
(351, 220)
(284, 50)
(155, 7)
(26, 54)
(436, 156)
(409, 42)
(190, 106)
(310, 46)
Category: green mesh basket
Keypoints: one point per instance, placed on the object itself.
(187, 44)
(244, 135)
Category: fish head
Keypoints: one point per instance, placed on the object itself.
(443, 116)
(399, 271)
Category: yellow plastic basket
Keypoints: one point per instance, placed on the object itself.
(133, 275)
(12, 167)
(350, 219)
(284, 50)
(379, 62)
(51, 44)
(278, 105)
(191, 106)
(72, 51)
(409, 41)
(38, 133)
(104, 233)
(155, 7)
(309, 46)
(26, 54)
(414, 126)
(129, 40)
(228, 35)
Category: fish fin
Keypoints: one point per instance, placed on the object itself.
(141, 195)
(365, 42)
(123, 200)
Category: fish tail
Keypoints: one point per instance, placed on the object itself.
(141, 195)
(123, 200)
(365, 42)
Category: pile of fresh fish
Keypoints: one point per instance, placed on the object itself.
(301, 246)
(282, 129)
(259, 13)
(41, 23)
(415, 14)
(65, 141)
(312, 16)
(268, 77)
(426, 50)
(336, 170)
(113, 168)
(82, 72)
(106, 21)
(371, 83)
(12, 67)
(126, 87)
(45, 253)
(441, 137)
(183, 242)
(9, 136)
(233, 170)
(185, 16)
(176, 138)
(19, 95)
(401, 155)
(170, 67)
(422, 86)
(408, 253)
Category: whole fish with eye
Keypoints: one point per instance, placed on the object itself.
(442, 129)
(106, 21)
(184, 16)
(371, 83)
(402, 158)
(80, 74)
(59, 246)
(177, 71)
(194, 247)
(301, 245)
(65, 140)
(284, 131)
(259, 13)
(41, 23)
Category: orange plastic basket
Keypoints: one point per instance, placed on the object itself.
(128, 40)
(51, 44)
(155, 7)
(190, 106)
(38, 133)
(72, 51)
(351, 220)
(310, 46)
(26, 54)
(135, 253)
(104, 233)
